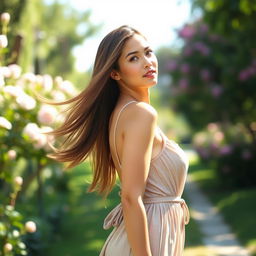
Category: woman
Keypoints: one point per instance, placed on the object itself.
(113, 120)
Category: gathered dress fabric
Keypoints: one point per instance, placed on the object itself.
(167, 213)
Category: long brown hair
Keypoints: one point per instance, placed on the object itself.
(86, 125)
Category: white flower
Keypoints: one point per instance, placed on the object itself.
(67, 87)
(11, 154)
(6, 72)
(29, 77)
(47, 83)
(5, 17)
(39, 79)
(5, 123)
(18, 181)
(15, 70)
(14, 91)
(8, 247)
(35, 135)
(40, 141)
(58, 80)
(26, 102)
(15, 233)
(30, 226)
(46, 114)
(2, 82)
(31, 130)
(50, 138)
(58, 96)
(3, 41)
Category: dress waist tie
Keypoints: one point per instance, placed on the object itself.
(115, 217)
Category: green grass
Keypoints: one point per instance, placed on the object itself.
(236, 205)
(82, 232)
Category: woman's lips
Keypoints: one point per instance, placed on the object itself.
(150, 74)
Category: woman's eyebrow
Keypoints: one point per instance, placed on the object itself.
(134, 52)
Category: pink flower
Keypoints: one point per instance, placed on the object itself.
(205, 75)
(202, 48)
(203, 28)
(4, 123)
(246, 154)
(171, 65)
(244, 75)
(187, 32)
(200, 139)
(5, 18)
(47, 114)
(11, 154)
(212, 127)
(3, 41)
(26, 102)
(214, 37)
(218, 136)
(185, 68)
(183, 83)
(216, 91)
(188, 51)
(30, 226)
(8, 247)
(225, 150)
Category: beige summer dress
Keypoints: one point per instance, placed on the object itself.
(167, 212)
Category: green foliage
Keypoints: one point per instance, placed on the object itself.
(48, 34)
(61, 29)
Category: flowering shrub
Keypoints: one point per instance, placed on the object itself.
(214, 87)
(230, 154)
(23, 123)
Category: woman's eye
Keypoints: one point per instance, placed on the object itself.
(149, 52)
(134, 58)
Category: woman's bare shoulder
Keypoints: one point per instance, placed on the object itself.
(140, 113)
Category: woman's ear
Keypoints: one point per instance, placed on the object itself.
(115, 75)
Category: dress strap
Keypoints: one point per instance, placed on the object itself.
(116, 127)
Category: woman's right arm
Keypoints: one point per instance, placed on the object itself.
(136, 156)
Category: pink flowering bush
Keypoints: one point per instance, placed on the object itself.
(231, 154)
(24, 120)
(213, 84)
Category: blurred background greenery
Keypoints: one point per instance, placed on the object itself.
(206, 102)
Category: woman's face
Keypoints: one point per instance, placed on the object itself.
(138, 65)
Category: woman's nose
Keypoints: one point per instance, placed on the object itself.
(148, 62)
